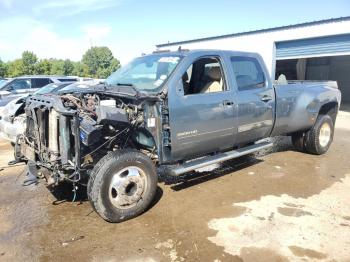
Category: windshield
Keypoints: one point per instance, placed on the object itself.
(78, 85)
(147, 73)
(50, 88)
(3, 83)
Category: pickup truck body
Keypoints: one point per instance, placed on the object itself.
(254, 114)
(178, 110)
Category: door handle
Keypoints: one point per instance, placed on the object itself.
(266, 98)
(227, 103)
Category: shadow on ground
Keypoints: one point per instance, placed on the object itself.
(228, 167)
(65, 193)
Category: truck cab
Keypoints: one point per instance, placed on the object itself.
(217, 101)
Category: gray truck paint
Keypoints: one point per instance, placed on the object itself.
(203, 123)
(206, 123)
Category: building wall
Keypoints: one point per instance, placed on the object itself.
(264, 43)
(340, 70)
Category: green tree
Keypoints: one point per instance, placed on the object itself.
(100, 62)
(15, 68)
(80, 69)
(29, 60)
(68, 67)
(3, 68)
(43, 67)
(57, 67)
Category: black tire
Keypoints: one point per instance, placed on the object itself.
(104, 197)
(313, 144)
(298, 141)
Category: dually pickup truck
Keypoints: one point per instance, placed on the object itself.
(173, 112)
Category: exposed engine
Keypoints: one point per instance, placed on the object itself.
(68, 134)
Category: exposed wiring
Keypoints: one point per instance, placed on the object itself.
(109, 140)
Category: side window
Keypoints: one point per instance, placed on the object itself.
(19, 84)
(204, 76)
(68, 79)
(40, 82)
(248, 72)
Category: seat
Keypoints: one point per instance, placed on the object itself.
(215, 83)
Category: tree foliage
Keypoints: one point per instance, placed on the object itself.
(29, 61)
(100, 62)
(97, 62)
(3, 68)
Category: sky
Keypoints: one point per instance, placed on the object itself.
(67, 28)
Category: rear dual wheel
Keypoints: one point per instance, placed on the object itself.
(318, 139)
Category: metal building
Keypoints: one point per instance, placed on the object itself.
(318, 50)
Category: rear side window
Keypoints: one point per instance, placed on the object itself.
(40, 82)
(248, 72)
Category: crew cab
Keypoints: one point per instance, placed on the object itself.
(169, 112)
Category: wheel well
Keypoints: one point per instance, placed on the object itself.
(330, 109)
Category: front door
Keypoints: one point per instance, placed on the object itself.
(201, 111)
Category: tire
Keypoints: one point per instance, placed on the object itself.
(122, 185)
(319, 138)
(298, 141)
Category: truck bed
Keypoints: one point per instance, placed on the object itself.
(298, 104)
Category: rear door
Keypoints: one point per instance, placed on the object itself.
(201, 109)
(255, 99)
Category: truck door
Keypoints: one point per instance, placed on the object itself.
(255, 99)
(201, 109)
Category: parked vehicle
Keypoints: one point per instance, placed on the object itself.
(20, 86)
(3, 81)
(13, 119)
(173, 112)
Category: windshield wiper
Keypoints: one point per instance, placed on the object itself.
(125, 84)
(137, 93)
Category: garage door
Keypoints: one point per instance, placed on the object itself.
(312, 47)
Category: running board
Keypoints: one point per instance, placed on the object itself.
(210, 160)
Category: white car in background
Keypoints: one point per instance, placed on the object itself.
(13, 119)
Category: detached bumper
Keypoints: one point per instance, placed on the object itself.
(9, 131)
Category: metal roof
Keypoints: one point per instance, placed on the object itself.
(319, 22)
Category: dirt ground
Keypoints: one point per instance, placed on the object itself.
(282, 206)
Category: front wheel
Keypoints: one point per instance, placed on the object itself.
(319, 138)
(122, 185)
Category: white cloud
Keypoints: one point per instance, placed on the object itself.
(6, 3)
(20, 34)
(73, 7)
(96, 31)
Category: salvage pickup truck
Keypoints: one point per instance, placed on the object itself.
(173, 112)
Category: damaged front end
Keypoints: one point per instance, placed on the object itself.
(68, 134)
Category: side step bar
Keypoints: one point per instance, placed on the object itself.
(210, 160)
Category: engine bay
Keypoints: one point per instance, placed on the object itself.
(68, 134)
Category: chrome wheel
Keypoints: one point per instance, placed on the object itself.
(127, 187)
(325, 134)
